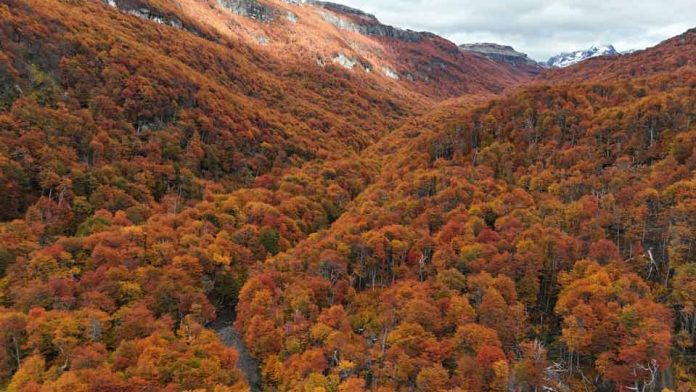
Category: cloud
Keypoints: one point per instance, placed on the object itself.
(541, 28)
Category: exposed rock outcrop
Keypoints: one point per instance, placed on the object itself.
(291, 17)
(148, 14)
(345, 10)
(500, 53)
(144, 10)
(352, 19)
(141, 10)
(251, 9)
(345, 61)
(390, 73)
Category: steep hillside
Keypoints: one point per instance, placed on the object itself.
(111, 90)
(134, 69)
(379, 209)
(324, 34)
(671, 55)
(154, 153)
(541, 241)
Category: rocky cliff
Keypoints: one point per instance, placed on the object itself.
(502, 54)
(499, 53)
(352, 19)
(250, 9)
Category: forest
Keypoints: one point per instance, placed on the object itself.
(521, 233)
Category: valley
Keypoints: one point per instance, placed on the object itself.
(285, 195)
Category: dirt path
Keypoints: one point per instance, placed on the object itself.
(223, 325)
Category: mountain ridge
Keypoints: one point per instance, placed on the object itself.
(505, 54)
(288, 29)
(567, 59)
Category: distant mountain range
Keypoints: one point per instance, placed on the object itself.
(508, 55)
(503, 54)
(567, 59)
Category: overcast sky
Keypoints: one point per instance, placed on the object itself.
(540, 28)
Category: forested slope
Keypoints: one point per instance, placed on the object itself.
(163, 160)
(149, 160)
(543, 240)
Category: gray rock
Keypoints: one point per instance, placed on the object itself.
(345, 10)
(390, 73)
(352, 19)
(147, 14)
(291, 17)
(262, 39)
(345, 61)
(143, 10)
(500, 53)
(251, 9)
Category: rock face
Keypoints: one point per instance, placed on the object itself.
(352, 19)
(147, 11)
(345, 61)
(500, 53)
(251, 9)
(135, 8)
(389, 72)
(419, 60)
(567, 59)
(505, 55)
(345, 10)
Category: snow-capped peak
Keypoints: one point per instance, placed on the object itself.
(568, 59)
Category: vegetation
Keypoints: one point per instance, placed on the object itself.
(541, 240)
(151, 177)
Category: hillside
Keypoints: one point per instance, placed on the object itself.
(152, 153)
(321, 34)
(543, 240)
(673, 54)
(377, 208)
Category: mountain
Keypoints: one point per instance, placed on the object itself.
(246, 195)
(674, 54)
(154, 153)
(503, 54)
(567, 59)
(236, 75)
(507, 226)
(326, 33)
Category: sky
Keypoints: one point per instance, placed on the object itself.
(540, 28)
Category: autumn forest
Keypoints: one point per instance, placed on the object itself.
(362, 209)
